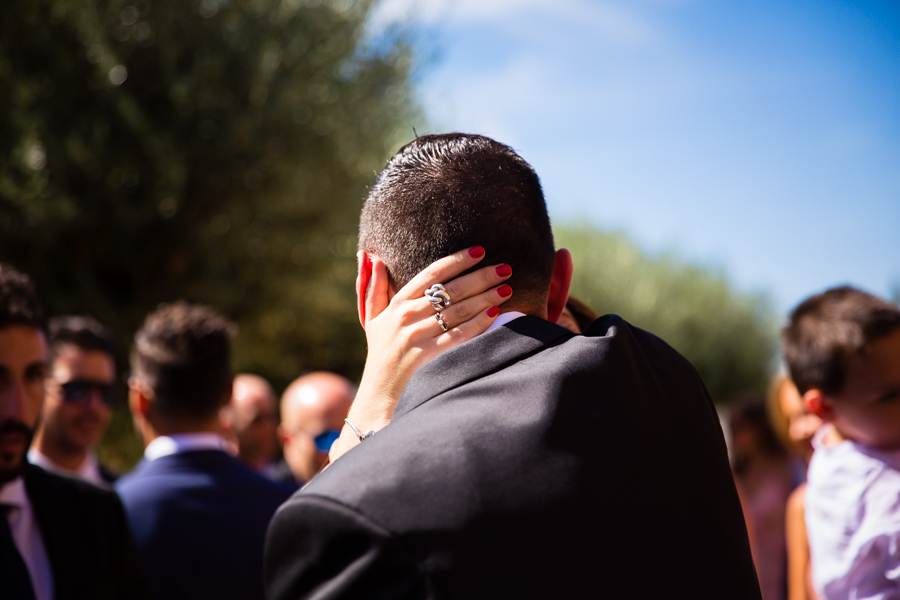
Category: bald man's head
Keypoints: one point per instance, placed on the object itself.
(312, 407)
(250, 420)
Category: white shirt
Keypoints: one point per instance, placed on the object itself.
(88, 471)
(26, 532)
(177, 443)
(853, 520)
(504, 319)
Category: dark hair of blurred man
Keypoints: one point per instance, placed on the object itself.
(59, 537)
(199, 516)
(313, 409)
(79, 400)
(250, 419)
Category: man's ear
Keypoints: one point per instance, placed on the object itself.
(363, 277)
(138, 398)
(373, 288)
(559, 284)
(818, 404)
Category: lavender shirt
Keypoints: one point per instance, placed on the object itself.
(853, 521)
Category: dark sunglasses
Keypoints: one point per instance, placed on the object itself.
(326, 439)
(78, 391)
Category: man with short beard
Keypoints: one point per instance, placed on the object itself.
(60, 538)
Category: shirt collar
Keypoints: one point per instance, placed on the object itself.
(89, 470)
(183, 442)
(13, 493)
(505, 318)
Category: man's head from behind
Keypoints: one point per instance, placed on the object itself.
(843, 350)
(80, 389)
(23, 367)
(443, 193)
(181, 370)
(313, 409)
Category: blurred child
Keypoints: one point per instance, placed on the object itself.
(843, 350)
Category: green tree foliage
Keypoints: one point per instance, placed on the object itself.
(212, 150)
(730, 337)
(215, 150)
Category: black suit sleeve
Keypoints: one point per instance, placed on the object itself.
(319, 549)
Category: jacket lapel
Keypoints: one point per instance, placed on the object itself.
(488, 353)
(54, 515)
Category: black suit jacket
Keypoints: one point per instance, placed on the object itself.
(86, 536)
(528, 463)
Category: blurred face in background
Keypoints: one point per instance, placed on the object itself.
(250, 420)
(79, 400)
(23, 368)
(867, 409)
(313, 411)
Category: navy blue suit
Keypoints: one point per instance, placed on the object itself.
(199, 520)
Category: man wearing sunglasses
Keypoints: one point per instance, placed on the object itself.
(79, 401)
(313, 409)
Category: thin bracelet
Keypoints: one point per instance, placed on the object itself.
(362, 436)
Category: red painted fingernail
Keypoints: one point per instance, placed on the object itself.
(476, 252)
(504, 270)
(493, 312)
(504, 291)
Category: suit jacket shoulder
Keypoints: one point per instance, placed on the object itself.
(199, 521)
(319, 531)
(91, 551)
(533, 462)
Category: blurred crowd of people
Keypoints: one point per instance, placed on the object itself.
(221, 455)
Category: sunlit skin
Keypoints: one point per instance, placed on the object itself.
(250, 420)
(801, 424)
(23, 368)
(867, 409)
(312, 405)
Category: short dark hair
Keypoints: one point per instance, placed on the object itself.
(82, 332)
(183, 352)
(442, 193)
(825, 330)
(19, 304)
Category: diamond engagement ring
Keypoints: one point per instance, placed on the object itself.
(438, 296)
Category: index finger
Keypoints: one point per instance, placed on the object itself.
(440, 271)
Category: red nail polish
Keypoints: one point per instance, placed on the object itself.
(504, 270)
(504, 291)
(476, 252)
(493, 312)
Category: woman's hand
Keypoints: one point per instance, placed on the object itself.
(403, 333)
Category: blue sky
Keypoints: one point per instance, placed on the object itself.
(761, 138)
